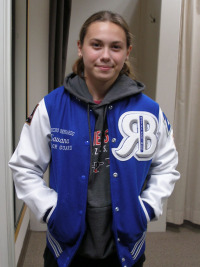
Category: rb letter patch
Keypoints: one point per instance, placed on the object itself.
(139, 131)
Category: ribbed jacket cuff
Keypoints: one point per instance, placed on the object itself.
(46, 214)
(149, 210)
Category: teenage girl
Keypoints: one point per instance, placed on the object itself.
(111, 154)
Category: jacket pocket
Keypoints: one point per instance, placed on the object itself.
(65, 224)
(55, 246)
(138, 246)
(147, 218)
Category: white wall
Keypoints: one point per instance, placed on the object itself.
(148, 46)
(168, 56)
(38, 51)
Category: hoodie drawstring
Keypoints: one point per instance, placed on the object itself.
(90, 135)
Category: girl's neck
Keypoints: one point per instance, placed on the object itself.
(98, 90)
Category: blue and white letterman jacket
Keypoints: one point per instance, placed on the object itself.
(143, 161)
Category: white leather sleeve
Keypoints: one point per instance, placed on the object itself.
(162, 175)
(29, 162)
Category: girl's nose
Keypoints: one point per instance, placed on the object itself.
(105, 55)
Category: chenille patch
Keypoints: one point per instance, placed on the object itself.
(29, 119)
(167, 124)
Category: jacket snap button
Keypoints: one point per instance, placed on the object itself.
(114, 140)
(117, 209)
(123, 259)
(110, 107)
(87, 143)
(115, 174)
(83, 177)
(118, 239)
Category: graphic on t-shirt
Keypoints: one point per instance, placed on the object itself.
(97, 166)
(101, 151)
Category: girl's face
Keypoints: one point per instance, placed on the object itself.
(104, 52)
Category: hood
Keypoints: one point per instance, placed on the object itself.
(123, 87)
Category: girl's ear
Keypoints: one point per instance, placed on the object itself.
(79, 48)
(129, 51)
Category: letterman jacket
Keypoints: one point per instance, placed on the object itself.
(143, 159)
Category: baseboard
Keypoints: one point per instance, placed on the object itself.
(24, 248)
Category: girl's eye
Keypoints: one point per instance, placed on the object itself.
(96, 45)
(116, 47)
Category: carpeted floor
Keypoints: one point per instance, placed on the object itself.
(177, 247)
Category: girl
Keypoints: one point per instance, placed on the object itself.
(111, 153)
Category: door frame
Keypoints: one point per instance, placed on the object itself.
(7, 258)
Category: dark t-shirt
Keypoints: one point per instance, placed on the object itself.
(98, 241)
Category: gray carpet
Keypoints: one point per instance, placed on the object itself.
(177, 247)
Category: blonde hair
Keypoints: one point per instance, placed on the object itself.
(115, 18)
